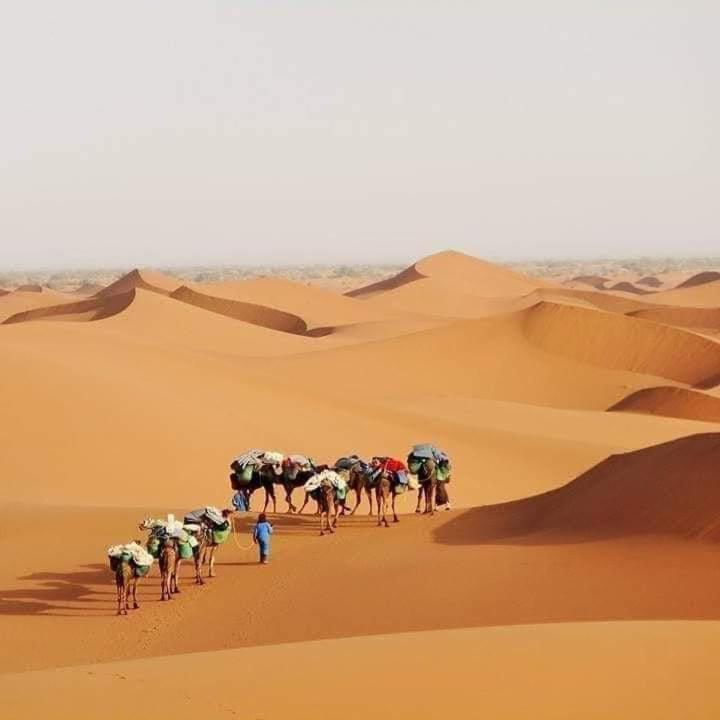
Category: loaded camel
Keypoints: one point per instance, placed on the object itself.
(157, 532)
(429, 486)
(267, 469)
(386, 483)
(168, 562)
(126, 580)
(296, 471)
(357, 480)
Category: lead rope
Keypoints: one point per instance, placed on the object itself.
(244, 548)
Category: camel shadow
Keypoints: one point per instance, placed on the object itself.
(57, 594)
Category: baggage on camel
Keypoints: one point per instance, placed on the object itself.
(420, 454)
(135, 554)
(244, 466)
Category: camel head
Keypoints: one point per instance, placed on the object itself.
(147, 524)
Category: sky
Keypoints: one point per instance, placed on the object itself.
(287, 131)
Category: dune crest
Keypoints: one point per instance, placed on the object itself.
(700, 279)
(144, 280)
(620, 342)
(247, 312)
(671, 402)
(96, 308)
(468, 274)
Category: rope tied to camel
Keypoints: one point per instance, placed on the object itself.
(235, 534)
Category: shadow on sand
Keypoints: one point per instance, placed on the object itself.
(61, 594)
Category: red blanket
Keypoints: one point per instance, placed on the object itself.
(393, 465)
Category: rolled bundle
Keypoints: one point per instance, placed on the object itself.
(273, 458)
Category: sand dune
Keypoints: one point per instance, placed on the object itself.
(20, 300)
(669, 488)
(706, 295)
(134, 401)
(650, 281)
(318, 308)
(700, 279)
(92, 309)
(700, 319)
(143, 280)
(247, 312)
(88, 289)
(596, 282)
(628, 287)
(467, 274)
(672, 402)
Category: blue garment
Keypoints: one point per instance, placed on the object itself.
(262, 533)
(239, 502)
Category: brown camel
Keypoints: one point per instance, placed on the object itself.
(294, 475)
(327, 502)
(427, 477)
(357, 480)
(168, 562)
(126, 581)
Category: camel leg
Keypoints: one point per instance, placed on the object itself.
(120, 599)
(395, 517)
(212, 561)
(198, 567)
(307, 499)
(358, 499)
(369, 496)
(173, 578)
(288, 499)
(431, 493)
(136, 604)
(420, 496)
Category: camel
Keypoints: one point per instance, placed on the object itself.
(357, 480)
(311, 495)
(126, 580)
(326, 497)
(198, 551)
(386, 485)
(294, 475)
(265, 476)
(429, 485)
(168, 562)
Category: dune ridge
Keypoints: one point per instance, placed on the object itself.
(671, 402)
(246, 312)
(97, 308)
(144, 280)
(700, 279)
(670, 488)
(685, 317)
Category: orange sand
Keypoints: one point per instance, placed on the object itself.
(572, 527)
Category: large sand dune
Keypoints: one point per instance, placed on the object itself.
(669, 488)
(571, 526)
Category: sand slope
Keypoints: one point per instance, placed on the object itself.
(669, 488)
(561, 672)
(672, 402)
(318, 308)
(96, 308)
(19, 301)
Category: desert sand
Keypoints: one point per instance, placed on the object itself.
(576, 575)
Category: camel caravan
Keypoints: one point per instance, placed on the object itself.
(169, 542)
(427, 471)
(197, 537)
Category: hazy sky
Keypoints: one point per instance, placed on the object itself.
(199, 131)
